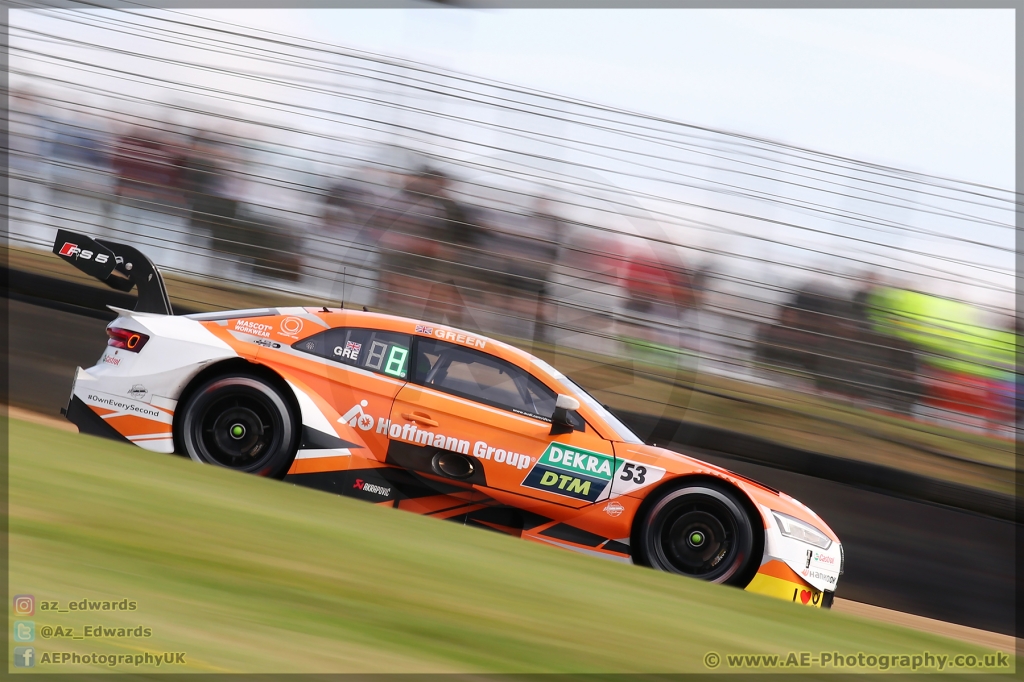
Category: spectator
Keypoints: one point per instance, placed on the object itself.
(530, 271)
(411, 224)
(144, 169)
(212, 212)
(650, 281)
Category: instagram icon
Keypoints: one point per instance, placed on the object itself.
(24, 605)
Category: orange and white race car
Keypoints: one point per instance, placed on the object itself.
(433, 420)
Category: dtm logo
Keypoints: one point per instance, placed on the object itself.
(573, 472)
(356, 417)
(70, 250)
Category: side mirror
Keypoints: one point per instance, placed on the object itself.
(564, 404)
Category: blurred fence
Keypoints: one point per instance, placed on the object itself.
(660, 253)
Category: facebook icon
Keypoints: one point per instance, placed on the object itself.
(24, 656)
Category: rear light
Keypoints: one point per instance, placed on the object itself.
(126, 339)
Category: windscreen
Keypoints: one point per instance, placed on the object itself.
(621, 430)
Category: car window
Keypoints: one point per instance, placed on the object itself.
(484, 378)
(371, 349)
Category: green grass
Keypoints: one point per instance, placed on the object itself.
(249, 575)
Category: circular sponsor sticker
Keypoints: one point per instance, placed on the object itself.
(613, 509)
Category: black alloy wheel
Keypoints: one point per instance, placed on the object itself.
(700, 531)
(242, 423)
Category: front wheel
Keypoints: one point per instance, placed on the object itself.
(242, 423)
(701, 531)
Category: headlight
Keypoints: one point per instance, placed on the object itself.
(798, 530)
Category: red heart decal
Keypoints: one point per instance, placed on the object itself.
(805, 596)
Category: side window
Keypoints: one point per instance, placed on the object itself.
(377, 351)
(484, 378)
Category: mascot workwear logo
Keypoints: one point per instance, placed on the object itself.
(254, 328)
(572, 472)
(290, 326)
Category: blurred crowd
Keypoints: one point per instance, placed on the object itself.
(905, 351)
(407, 238)
(417, 240)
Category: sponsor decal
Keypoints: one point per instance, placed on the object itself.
(266, 343)
(572, 472)
(459, 337)
(360, 484)
(482, 450)
(424, 329)
(122, 406)
(812, 596)
(290, 326)
(822, 559)
(613, 509)
(410, 433)
(138, 391)
(254, 328)
(112, 360)
(818, 575)
(350, 351)
(70, 249)
(356, 417)
(808, 564)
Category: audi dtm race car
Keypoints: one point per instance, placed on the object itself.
(433, 420)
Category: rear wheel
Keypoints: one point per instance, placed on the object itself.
(242, 423)
(701, 531)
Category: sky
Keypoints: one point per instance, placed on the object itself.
(927, 90)
(930, 91)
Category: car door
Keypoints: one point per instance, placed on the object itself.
(367, 369)
(466, 402)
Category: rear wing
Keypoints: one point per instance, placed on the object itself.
(119, 266)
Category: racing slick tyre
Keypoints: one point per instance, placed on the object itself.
(242, 423)
(701, 531)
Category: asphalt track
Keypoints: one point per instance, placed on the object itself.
(901, 554)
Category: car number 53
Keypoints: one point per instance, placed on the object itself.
(633, 472)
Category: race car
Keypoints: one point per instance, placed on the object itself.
(435, 420)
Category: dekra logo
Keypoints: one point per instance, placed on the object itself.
(572, 472)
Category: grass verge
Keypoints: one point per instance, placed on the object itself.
(249, 575)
